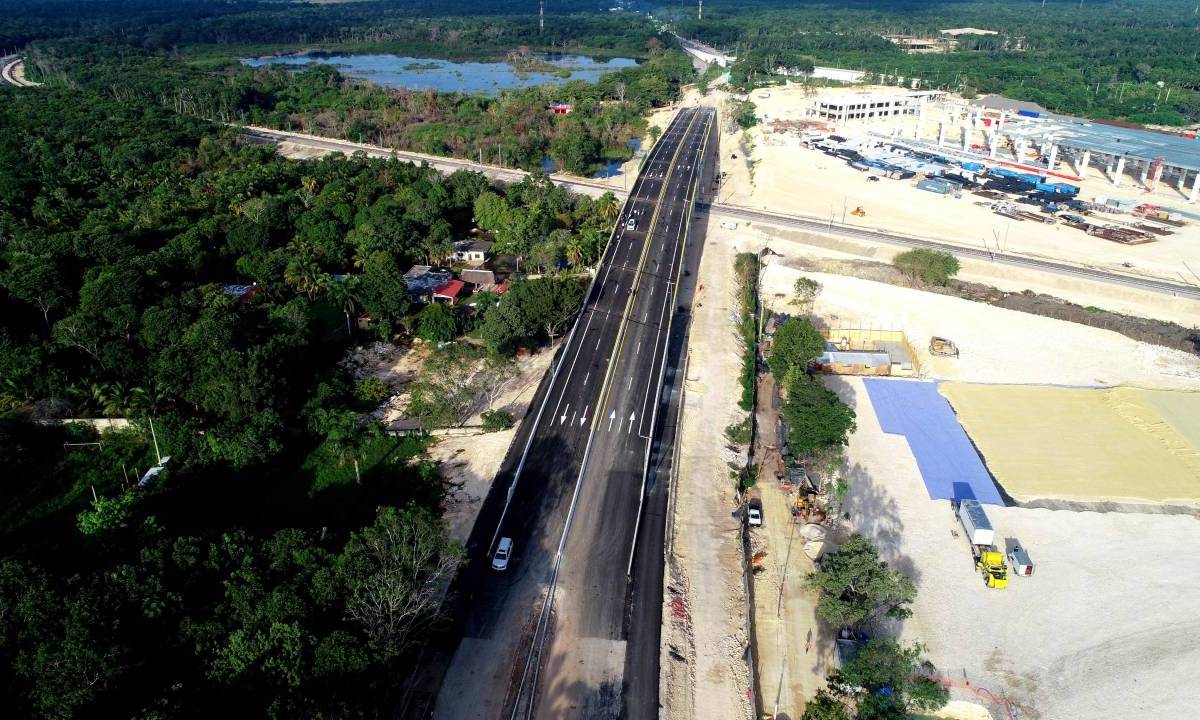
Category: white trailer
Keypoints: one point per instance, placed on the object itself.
(1019, 559)
(975, 521)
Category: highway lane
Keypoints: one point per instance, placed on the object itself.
(502, 610)
(583, 666)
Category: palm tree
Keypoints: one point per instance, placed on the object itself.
(607, 208)
(305, 274)
(344, 294)
(574, 250)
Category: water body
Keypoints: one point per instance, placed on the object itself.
(483, 78)
(611, 168)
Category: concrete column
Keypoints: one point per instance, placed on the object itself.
(920, 129)
(1052, 158)
(1082, 167)
(1158, 174)
(1195, 188)
(942, 133)
(966, 136)
(1145, 172)
(1118, 171)
(993, 143)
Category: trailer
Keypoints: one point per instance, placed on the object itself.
(1021, 564)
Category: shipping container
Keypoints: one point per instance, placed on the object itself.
(936, 186)
(1029, 113)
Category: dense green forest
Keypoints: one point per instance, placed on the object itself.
(1096, 59)
(516, 127)
(247, 576)
(187, 58)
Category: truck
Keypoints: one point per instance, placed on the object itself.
(989, 561)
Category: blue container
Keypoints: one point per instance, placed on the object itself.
(1029, 113)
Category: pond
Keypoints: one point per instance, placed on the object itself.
(485, 78)
(611, 168)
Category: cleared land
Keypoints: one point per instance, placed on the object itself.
(1084, 444)
(789, 178)
(1100, 630)
(998, 345)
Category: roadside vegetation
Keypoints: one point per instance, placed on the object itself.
(745, 268)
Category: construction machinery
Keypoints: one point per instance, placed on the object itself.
(989, 561)
(858, 212)
(942, 346)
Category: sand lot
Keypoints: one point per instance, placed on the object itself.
(792, 179)
(1104, 628)
(1083, 444)
(997, 345)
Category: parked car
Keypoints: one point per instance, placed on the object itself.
(503, 553)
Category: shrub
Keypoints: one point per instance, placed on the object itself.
(931, 266)
(497, 420)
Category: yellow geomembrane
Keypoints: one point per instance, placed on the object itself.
(1093, 445)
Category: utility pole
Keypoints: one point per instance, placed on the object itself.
(541, 16)
(700, 14)
(155, 438)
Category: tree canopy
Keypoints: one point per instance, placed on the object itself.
(854, 586)
(795, 343)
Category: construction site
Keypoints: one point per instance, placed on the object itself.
(994, 452)
(988, 174)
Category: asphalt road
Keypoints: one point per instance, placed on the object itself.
(585, 660)
(502, 615)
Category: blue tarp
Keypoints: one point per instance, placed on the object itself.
(945, 456)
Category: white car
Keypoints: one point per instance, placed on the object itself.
(503, 553)
(754, 514)
(631, 224)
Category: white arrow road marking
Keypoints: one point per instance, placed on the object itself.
(612, 417)
(563, 419)
(631, 418)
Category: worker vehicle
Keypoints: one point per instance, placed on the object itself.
(943, 347)
(988, 560)
(503, 553)
(754, 514)
(858, 212)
